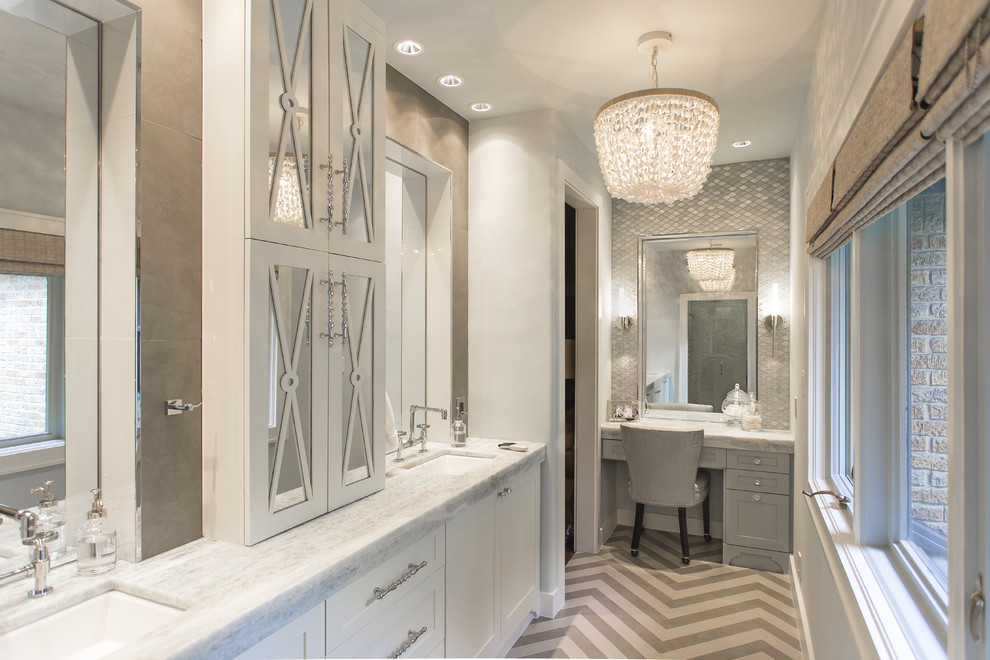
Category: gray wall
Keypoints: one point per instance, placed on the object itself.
(170, 229)
(737, 197)
(420, 122)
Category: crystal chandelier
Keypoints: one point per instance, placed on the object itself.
(656, 145)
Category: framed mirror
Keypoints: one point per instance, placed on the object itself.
(68, 365)
(698, 321)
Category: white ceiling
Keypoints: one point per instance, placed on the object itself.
(753, 57)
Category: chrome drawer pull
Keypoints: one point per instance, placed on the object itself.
(413, 569)
(756, 498)
(756, 482)
(756, 461)
(413, 636)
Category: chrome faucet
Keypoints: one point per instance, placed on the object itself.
(422, 429)
(41, 562)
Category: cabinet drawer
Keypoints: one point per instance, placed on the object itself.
(763, 560)
(760, 482)
(764, 461)
(712, 457)
(758, 520)
(415, 622)
(612, 450)
(355, 605)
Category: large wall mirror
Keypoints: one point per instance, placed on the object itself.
(698, 321)
(56, 67)
(417, 276)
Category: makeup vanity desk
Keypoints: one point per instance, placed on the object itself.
(758, 478)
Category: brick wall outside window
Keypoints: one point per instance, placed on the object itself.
(23, 355)
(928, 361)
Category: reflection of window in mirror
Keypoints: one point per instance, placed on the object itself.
(31, 371)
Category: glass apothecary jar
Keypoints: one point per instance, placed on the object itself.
(736, 404)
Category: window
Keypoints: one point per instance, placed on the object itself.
(883, 425)
(926, 496)
(838, 356)
(31, 375)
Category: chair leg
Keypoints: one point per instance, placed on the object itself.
(682, 522)
(637, 528)
(706, 516)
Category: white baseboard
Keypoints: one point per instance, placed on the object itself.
(551, 603)
(809, 653)
(511, 640)
(668, 523)
(605, 531)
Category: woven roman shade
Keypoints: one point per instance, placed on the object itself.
(952, 102)
(820, 209)
(874, 147)
(949, 24)
(28, 253)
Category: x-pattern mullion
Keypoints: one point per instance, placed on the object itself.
(358, 409)
(357, 107)
(290, 80)
(290, 407)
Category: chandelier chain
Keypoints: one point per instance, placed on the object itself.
(653, 61)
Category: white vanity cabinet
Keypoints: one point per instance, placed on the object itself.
(493, 569)
(302, 638)
(293, 353)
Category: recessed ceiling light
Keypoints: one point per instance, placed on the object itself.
(741, 143)
(481, 106)
(408, 47)
(450, 80)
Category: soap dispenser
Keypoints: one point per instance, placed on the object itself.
(97, 546)
(50, 519)
(458, 431)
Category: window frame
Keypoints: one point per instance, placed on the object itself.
(889, 580)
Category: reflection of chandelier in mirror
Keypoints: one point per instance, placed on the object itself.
(724, 284)
(656, 145)
(711, 264)
(288, 207)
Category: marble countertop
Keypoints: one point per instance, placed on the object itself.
(717, 434)
(235, 596)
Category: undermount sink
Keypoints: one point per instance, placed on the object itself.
(452, 464)
(92, 629)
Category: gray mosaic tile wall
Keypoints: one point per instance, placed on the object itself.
(737, 197)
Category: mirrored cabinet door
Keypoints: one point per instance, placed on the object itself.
(357, 381)
(357, 125)
(288, 387)
(290, 125)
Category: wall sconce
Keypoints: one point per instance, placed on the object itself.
(773, 319)
(623, 311)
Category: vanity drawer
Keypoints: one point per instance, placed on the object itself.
(711, 457)
(764, 461)
(757, 520)
(356, 605)
(612, 450)
(762, 560)
(416, 619)
(759, 482)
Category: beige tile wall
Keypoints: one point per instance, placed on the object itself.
(420, 122)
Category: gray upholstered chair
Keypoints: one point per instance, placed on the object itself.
(663, 470)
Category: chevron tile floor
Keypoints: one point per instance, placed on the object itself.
(652, 606)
